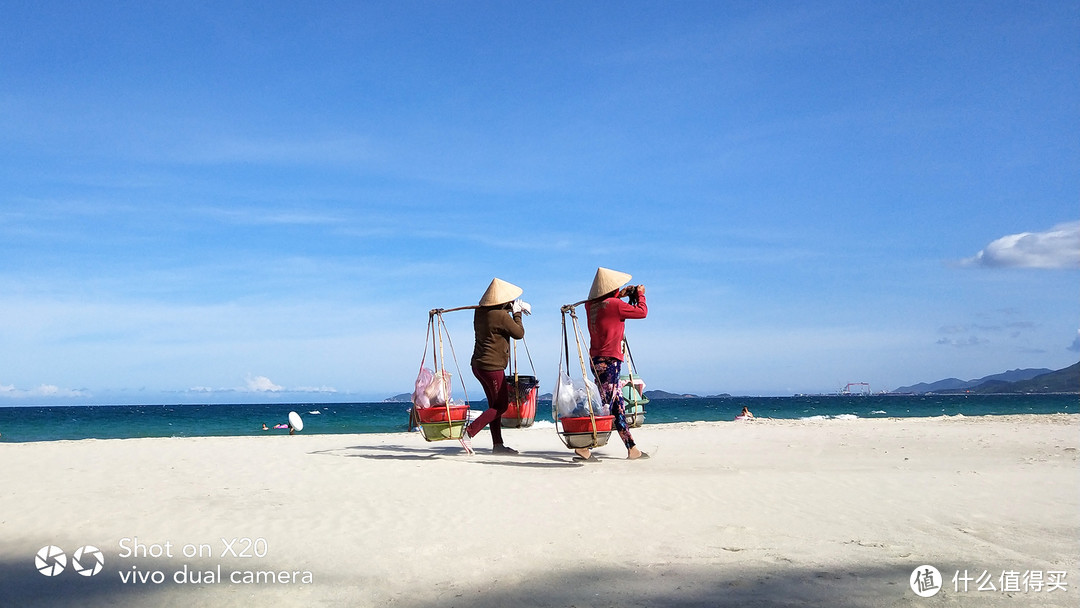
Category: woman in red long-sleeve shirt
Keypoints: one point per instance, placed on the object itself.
(607, 313)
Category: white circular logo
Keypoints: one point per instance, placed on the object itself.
(50, 560)
(925, 581)
(87, 560)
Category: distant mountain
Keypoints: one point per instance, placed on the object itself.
(956, 384)
(948, 384)
(650, 395)
(1062, 381)
(406, 397)
(667, 395)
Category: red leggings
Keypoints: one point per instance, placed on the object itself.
(498, 398)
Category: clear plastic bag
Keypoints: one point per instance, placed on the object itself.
(574, 398)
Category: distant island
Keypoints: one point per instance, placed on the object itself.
(667, 395)
(1017, 381)
(652, 395)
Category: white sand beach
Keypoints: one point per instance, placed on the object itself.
(764, 513)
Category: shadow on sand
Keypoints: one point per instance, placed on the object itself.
(545, 459)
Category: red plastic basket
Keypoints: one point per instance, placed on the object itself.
(521, 411)
(428, 415)
(584, 424)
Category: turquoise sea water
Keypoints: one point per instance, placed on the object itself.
(32, 423)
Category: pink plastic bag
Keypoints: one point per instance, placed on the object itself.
(438, 391)
(431, 389)
(419, 397)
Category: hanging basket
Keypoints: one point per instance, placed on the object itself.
(633, 402)
(442, 419)
(635, 415)
(586, 432)
(443, 422)
(579, 432)
(521, 413)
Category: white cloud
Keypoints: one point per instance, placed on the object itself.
(207, 390)
(262, 384)
(1058, 247)
(963, 342)
(1074, 347)
(45, 390)
(314, 389)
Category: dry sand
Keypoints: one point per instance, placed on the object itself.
(765, 513)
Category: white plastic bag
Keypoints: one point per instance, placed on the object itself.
(574, 398)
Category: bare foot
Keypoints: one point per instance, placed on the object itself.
(583, 453)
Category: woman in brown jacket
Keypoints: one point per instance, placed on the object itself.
(495, 322)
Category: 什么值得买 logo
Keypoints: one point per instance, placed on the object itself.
(925, 581)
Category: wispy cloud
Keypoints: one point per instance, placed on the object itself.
(1058, 247)
(1075, 346)
(259, 384)
(963, 342)
(9, 391)
(269, 217)
(990, 327)
(283, 151)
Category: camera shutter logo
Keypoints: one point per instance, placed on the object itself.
(50, 560)
(87, 560)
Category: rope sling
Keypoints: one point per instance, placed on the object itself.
(455, 417)
(523, 391)
(595, 434)
(635, 400)
(454, 428)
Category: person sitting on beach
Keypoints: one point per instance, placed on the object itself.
(607, 315)
(496, 320)
(745, 415)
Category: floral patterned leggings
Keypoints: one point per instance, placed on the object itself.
(606, 370)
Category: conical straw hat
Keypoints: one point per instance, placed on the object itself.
(607, 281)
(500, 292)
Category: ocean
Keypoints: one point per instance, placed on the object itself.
(55, 423)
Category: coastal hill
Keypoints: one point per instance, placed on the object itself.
(667, 395)
(1020, 381)
(956, 384)
(1062, 381)
(658, 395)
(1065, 380)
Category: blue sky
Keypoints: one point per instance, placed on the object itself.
(216, 202)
